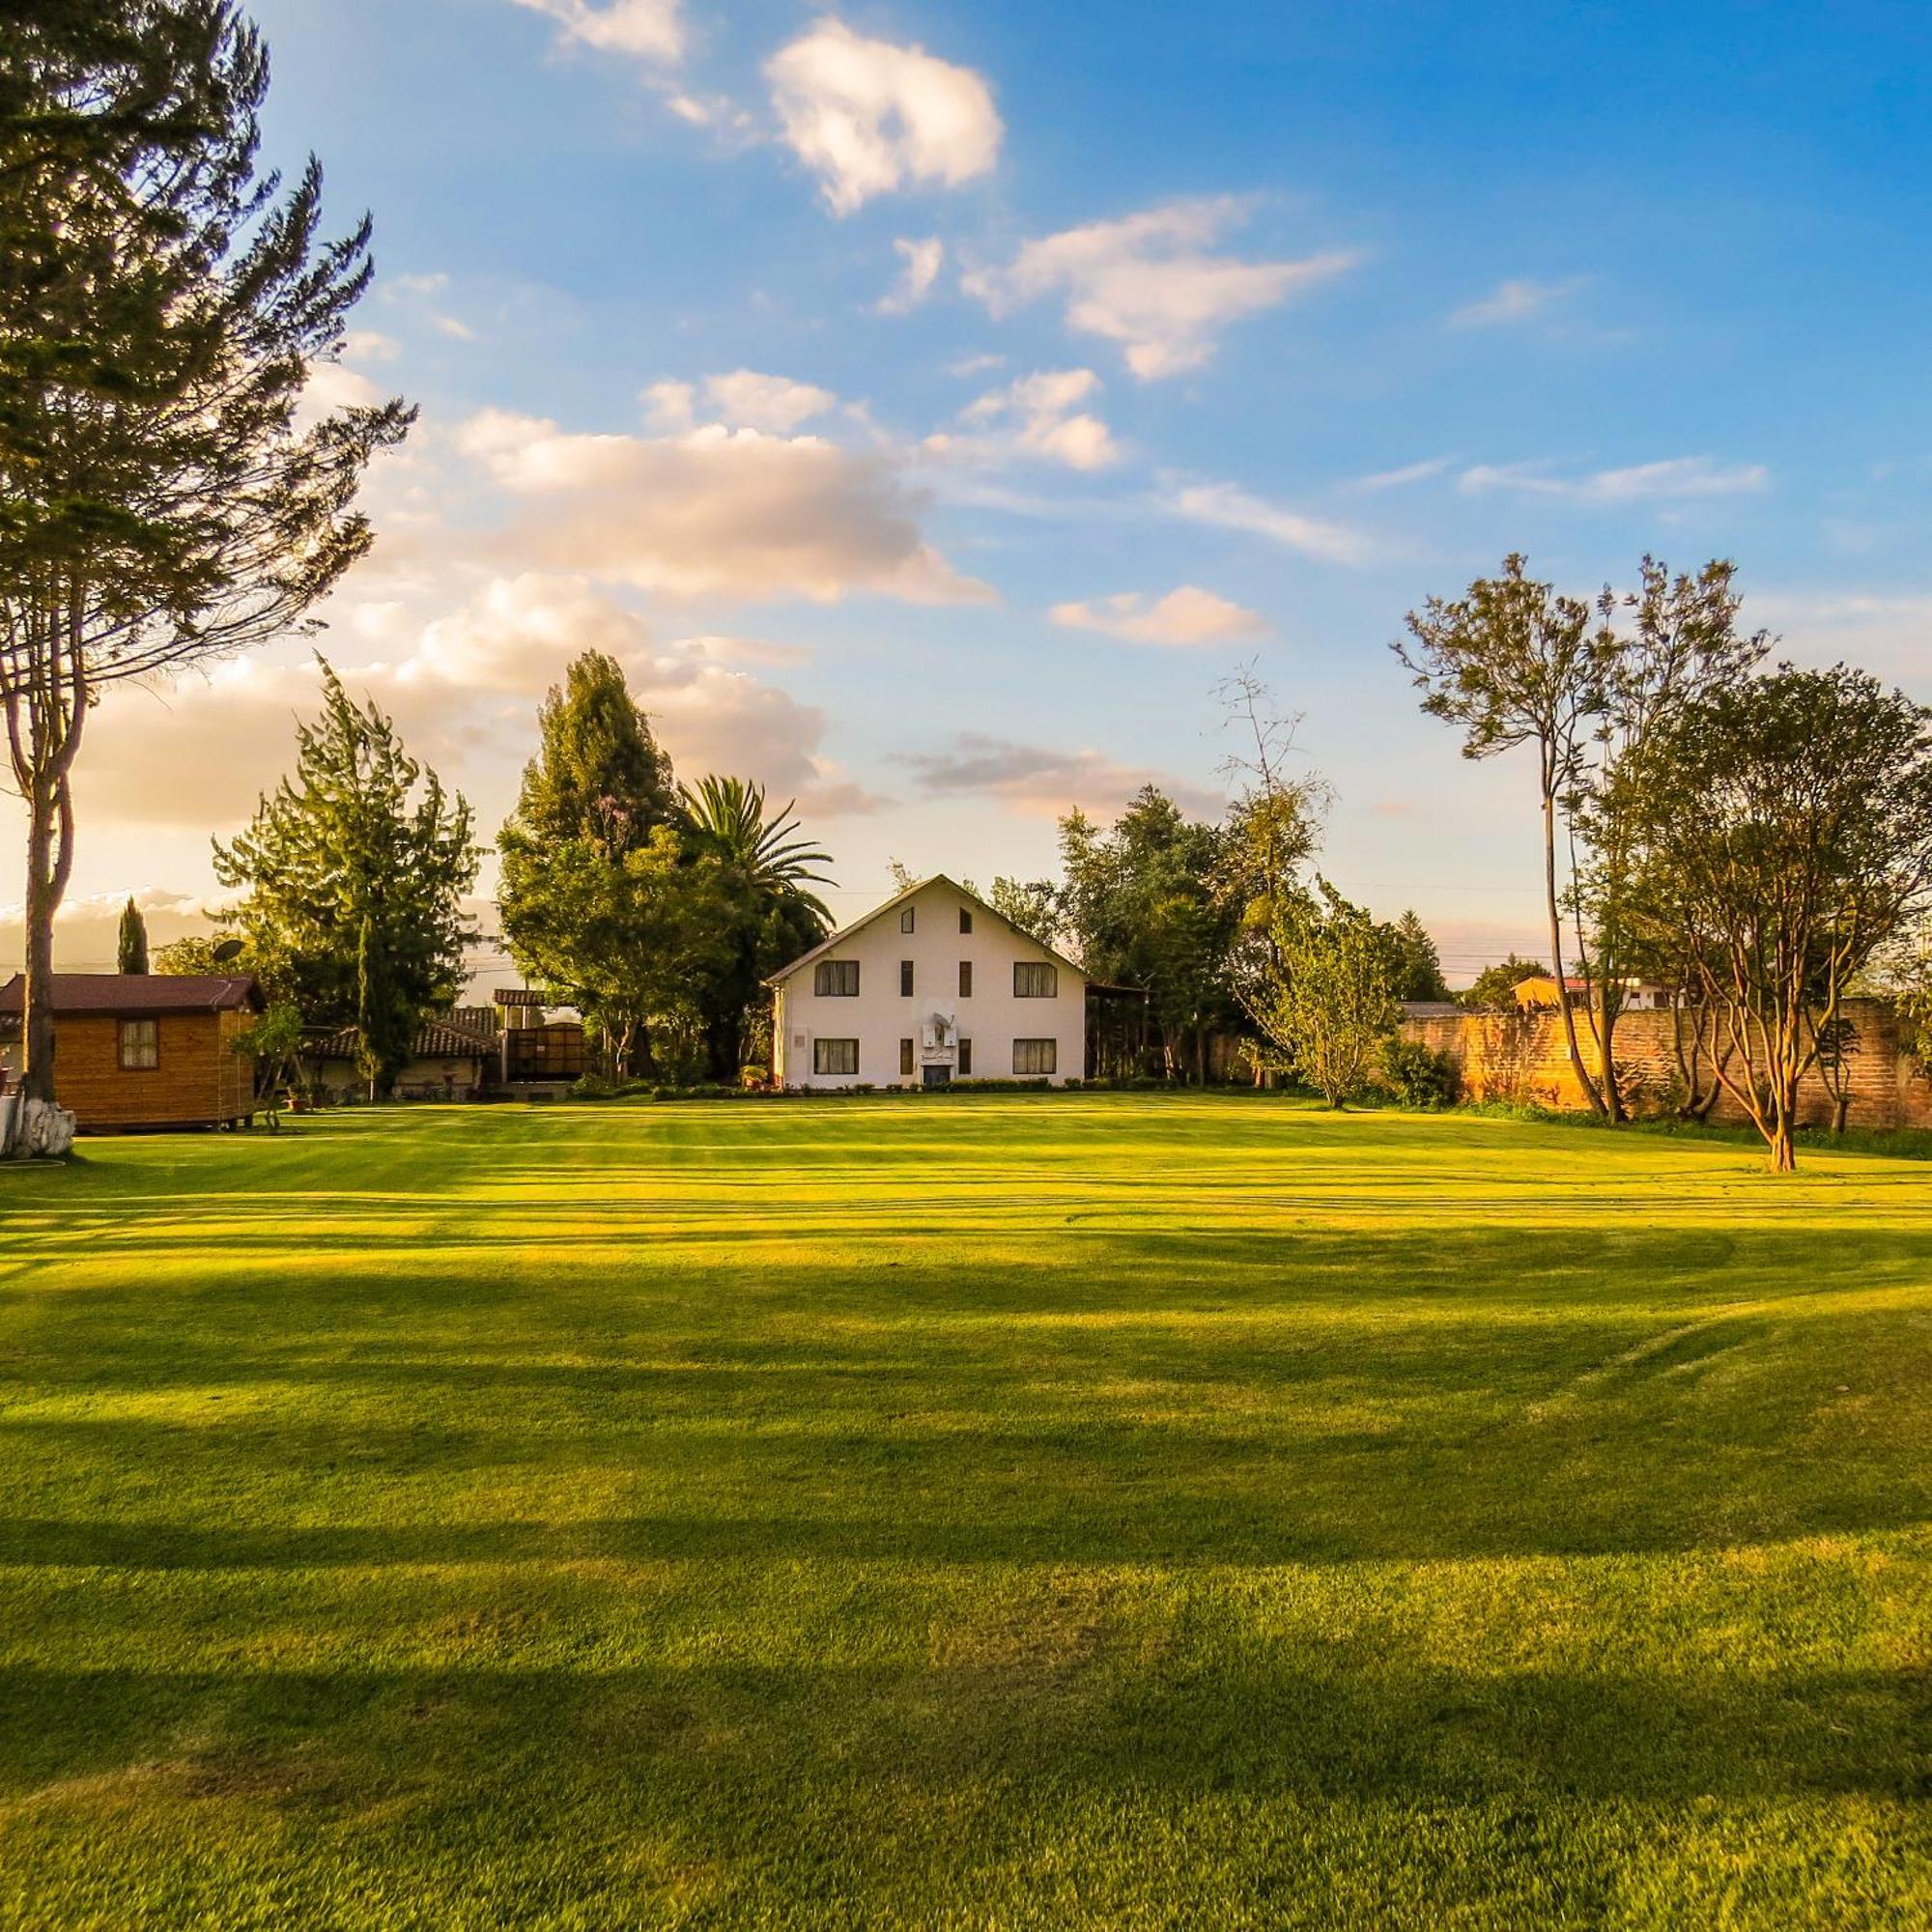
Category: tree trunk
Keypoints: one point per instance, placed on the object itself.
(1783, 1146)
(1201, 1056)
(37, 1073)
(1841, 1108)
(1582, 1073)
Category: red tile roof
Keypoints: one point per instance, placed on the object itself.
(127, 993)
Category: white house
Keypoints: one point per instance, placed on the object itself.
(933, 987)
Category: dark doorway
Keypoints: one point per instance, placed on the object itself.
(939, 1076)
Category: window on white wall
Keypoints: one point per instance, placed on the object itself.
(905, 979)
(1035, 1056)
(834, 1056)
(835, 980)
(906, 919)
(1035, 979)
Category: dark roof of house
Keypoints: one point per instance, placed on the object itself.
(139, 993)
(897, 900)
(436, 1040)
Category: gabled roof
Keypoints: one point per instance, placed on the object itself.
(892, 904)
(131, 994)
(436, 1040)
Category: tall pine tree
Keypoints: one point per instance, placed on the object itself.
(161, 303)
(354, 873)
(132, 953)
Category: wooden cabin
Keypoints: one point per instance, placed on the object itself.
(145, 1049)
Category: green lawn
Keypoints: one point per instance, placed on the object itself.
(1109, 1510)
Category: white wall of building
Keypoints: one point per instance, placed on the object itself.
(936, 1017)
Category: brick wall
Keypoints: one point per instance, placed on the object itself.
(1523, 1057)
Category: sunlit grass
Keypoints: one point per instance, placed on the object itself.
(1103, 1510)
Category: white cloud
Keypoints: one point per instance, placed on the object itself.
(714, 511)
(1187, 617)
(1038, 416)
(742, 399)
(1886, 631)
(370, 345)
(974, 365)
(1151, 281)
(868, 117)
(1234, 509)
(1515, 301)
(747, 400)
(923, 260)
(1043, 783)
(1674, 477)
(647, 30)
(423, 294)
(1398, 479)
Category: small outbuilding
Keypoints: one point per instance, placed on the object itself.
(144, 1049)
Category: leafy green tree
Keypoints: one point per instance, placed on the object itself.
(1419, 966)
(769, 872)
(1032, 906)
(353, 874)
(1781, 835)
(1144, 902)
(203, 954)
(131, 947)
(161, 303)
(1514, 664)
(1326, 995)
(1493, 989)
(609, 895)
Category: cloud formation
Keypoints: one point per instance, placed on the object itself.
(1036, 780)
(1186, 616)
(1038, 416)
(1515, 301)
(1152, 281)
(868, 117)
(714, 511)
(1674, 477)
(649, 30)
(1233, 508)
(921, 262)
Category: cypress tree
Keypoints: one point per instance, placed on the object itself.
(132, 951)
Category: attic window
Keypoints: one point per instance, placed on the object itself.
(965, 919)
(1035, 979)
(906, 919)
(835, 980)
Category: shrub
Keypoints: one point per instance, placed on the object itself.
(1418, 1076)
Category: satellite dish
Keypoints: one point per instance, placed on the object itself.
(228, 951)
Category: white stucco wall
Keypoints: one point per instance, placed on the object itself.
(880, 1017)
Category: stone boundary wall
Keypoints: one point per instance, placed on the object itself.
(1523, 1057)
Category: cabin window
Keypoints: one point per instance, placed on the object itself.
(1035, 1056)
(835, 980)
(965, 1058)
(965, 979)
(834, 1056)
(140, 1045)
(905, 1056)
(906, 919)
(965, 919)
(905, 979)
(1035, 979)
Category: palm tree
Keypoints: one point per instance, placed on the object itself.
(732, 813)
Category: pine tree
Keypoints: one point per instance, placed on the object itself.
(133, 952)
(161, 303)
(354, 873)
(1419, 966)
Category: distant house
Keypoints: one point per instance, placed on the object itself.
(144, 1049)
(931, 987)
(454, 1058)
(1538, 992)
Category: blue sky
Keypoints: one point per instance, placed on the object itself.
(932, 403)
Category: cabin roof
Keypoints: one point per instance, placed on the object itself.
(436, 1040)
(139, 994)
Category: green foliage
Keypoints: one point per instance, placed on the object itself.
(161, 303)
(353, 872)
(1418, 1076)
(1494, 987)
(1418, 964)
(1780, 834)
(131, 952)
(1143, 903)
(729, 813)
(600, 777)
(1327, 995)
(1032, 906)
